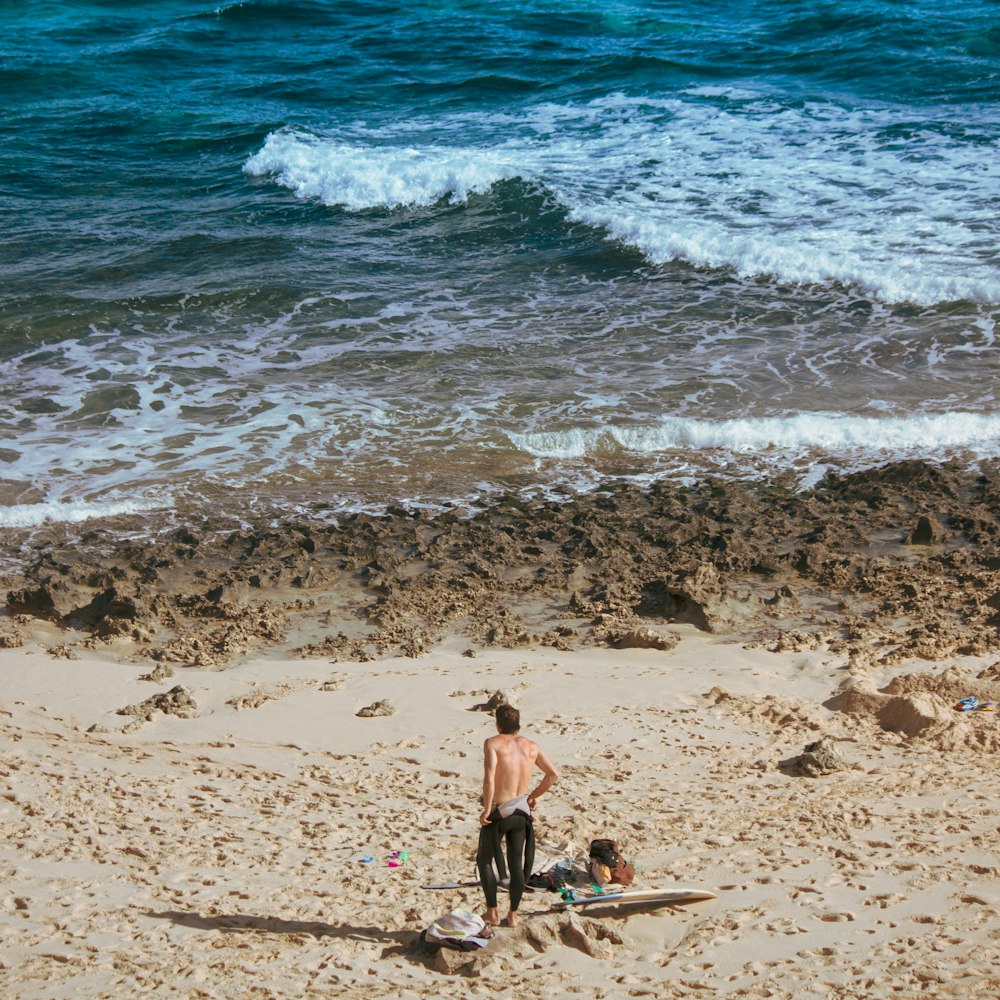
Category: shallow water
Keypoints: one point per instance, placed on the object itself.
(332, 255)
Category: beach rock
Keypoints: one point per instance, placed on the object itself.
(645, 637)
(60, 598)
(337, 648)
(504, 628)
(161, 672)
(177, 701)
(561, 637)
(927, 531)
(495, 700)
(63, 651)
(452, 962)
(784, 599)
(113, 604)
(817, 759)
(794, 641)
(11, 638)
(879, 486)
(232, 592)
(698, 554)
(52, 599)
(376, 709)
(260, 696)
(698, 597)
(592, 939)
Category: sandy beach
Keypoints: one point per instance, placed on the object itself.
(366, 366)
(209, 843)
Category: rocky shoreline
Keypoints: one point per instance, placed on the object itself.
(240, 824)
(884, 566)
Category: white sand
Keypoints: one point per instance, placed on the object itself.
(219, 856)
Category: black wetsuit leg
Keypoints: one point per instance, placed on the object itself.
(515, 829)
(517, 833)
(529, 848)
(489, 842)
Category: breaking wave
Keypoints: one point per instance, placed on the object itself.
(31, 515)
(805, 192)
(834, 435)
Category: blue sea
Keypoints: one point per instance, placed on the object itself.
(272, 256)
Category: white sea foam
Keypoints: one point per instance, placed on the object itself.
(358, 177)
(30, 515)
(831, 434)
(309, 400)
(803, 192)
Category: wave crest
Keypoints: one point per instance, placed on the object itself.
(31, 515)
(836, 435)
(358, 177)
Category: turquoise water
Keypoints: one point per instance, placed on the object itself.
(337, 254)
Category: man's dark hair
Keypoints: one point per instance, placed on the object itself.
(508, 719)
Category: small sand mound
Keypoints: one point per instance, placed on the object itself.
(768, 709)
(861, 698)
(923, 705)
(950, 686)
(915, 714)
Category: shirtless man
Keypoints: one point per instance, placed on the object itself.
(509, 760)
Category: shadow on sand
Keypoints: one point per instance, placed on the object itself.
(402, 942)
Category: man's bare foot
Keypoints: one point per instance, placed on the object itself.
(492, 916)
(512, 919)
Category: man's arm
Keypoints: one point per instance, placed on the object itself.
(550, 775)
(489, 779)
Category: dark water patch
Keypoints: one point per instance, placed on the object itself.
(40, 404)
(494, 84)
(264, 16)
(24, 85)
(985, 43)
(107, 398)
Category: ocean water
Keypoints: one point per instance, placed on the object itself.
(269, 256)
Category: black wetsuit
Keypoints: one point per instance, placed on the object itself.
(517, 831)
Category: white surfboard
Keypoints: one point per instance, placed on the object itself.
(673, 896)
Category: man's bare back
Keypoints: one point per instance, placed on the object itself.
(509, 760)
(508, 763)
